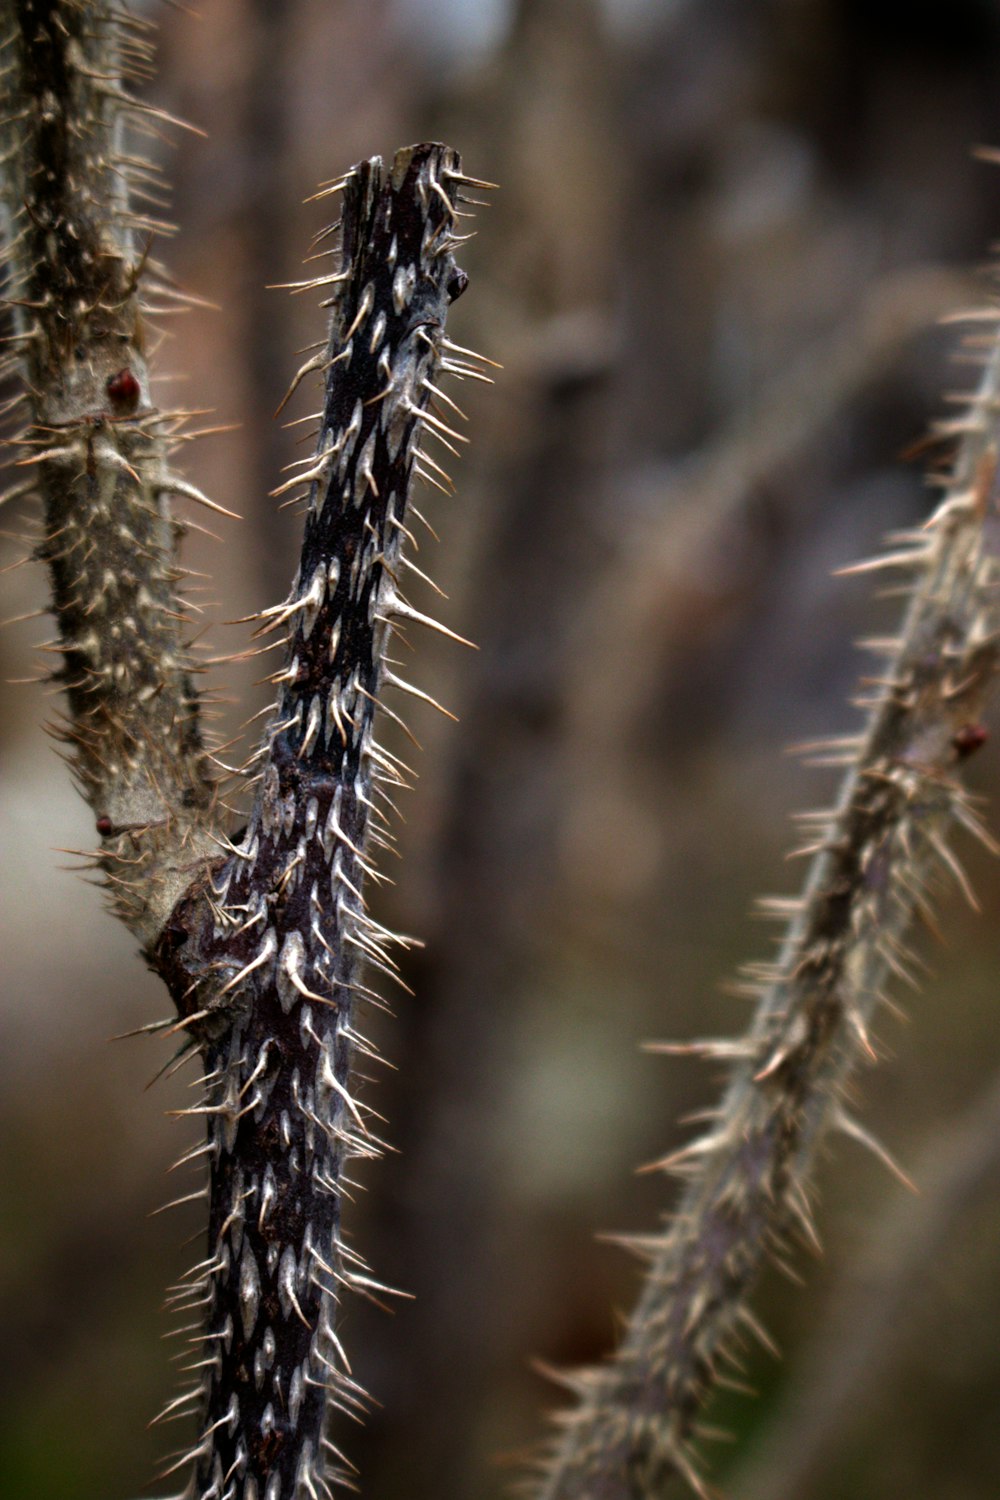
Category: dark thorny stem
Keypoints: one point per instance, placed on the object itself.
(266, 962)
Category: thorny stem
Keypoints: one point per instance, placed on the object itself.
(265, 962)
(875, 862)
(96, 449)
(267, 949)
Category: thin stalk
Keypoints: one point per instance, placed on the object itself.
(877, 858)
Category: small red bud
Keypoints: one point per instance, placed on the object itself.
(105, 827)
(968, 739)
(123, 389)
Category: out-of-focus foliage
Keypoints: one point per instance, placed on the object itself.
(721, 231)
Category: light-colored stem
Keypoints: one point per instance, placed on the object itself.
(877, 857)
(97, 450)
(878, 1315)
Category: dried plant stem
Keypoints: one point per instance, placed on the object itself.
(876, 859)
(266, 961)
(96, 450)
(267, 947)
(646, 597)
(879, 1313)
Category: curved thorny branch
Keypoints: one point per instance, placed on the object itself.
(267, 946)
(877, 858)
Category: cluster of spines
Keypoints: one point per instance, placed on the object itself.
(876, 860)
(270, 962)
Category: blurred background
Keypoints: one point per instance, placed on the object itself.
(725, 232)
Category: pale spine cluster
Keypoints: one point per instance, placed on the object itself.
(877, 859)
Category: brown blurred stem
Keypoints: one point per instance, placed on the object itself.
(877, 1314)
(876, 858)
(641, 621)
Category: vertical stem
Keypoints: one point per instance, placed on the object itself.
(266, 965)
(98, 448)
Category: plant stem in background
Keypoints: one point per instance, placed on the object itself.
(876, 859)
(879, 1313)
(96, 450)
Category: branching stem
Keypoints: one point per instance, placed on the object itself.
(267, 948)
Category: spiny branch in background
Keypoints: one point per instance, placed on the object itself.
(268, 961)
(267, 947)
(877, 1315)
(877, 860)
(96, 450)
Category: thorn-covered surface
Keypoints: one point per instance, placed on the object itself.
(877, 860)
(268, 964)
(96, 449)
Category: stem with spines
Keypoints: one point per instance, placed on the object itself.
(266, 961)
(266, 946)
(875, 859)
(96, 451)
